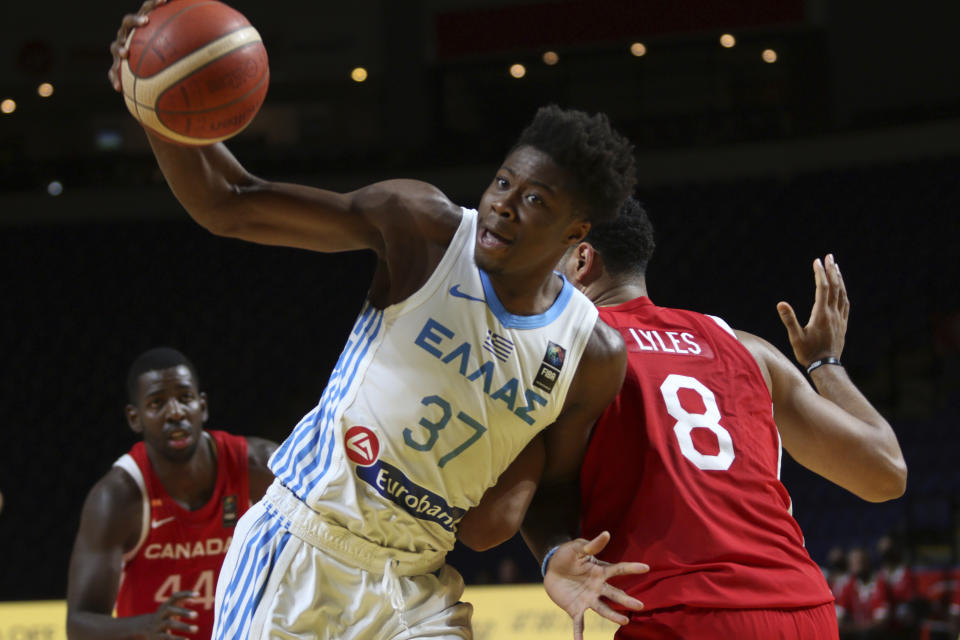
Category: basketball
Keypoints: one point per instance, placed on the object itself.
(196, 73)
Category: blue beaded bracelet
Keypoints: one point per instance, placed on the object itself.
(546, 559)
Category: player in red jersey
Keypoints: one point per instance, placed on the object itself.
(863, 605)
(154, 530)
(901, 581)
(683, 468)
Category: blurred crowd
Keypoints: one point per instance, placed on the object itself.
(880, 595)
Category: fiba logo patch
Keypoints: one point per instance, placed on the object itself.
(362, 445)
(550, 367)
(555, 355)
(231, 511)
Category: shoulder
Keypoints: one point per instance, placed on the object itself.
(115, 491)
(605, 345)
(260, 476)
(114, 506)
(398, 204)
(597, 381)
(778, 371)
(259, 451)
(759, 348)
(602, 365)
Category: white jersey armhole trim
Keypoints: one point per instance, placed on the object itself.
(128, 464)
(779, 453)
(723, 325)
(466, 231)
(591, 316)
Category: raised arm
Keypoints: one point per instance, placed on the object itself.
(110, 526)
(222, 196)
(834, 430)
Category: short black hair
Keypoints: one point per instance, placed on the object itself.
(626, 242)
(599, 159)
(154, 360)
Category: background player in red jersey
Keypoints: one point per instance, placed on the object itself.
(683, 468)
(155, 528)
(902, 582)
(864, 603)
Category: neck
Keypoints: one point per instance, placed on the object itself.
(189, 483)
(609, 291)
(515, 293)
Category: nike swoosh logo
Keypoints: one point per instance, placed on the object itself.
(455, 291)
(159, 523)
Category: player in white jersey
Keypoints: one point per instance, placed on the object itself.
(468, 347)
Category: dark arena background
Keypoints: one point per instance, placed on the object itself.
(825, 127)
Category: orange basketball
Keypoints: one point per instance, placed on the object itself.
(196, 72)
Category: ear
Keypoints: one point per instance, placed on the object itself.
(133, 419)
(203, 404)
(577, 231)
(584, 264)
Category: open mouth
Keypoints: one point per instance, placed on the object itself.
(492, 240)
(179, 438)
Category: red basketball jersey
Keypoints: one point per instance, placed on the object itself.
(183, 550)
(865, 602)
(683, 470)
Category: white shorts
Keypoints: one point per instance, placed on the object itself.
(288, 574)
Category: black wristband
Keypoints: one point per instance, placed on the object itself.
(819, 363)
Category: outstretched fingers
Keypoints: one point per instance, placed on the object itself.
(595, 546)
(622, 598)
(578, 627)
(789, 320)
(833, 278)
(844, 300)
(177, 625)
(606, 611)
(625, 569)
(822, 295)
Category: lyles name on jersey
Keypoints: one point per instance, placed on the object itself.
(681, 342)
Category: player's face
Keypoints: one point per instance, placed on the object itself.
(527, 216)
(169, 412)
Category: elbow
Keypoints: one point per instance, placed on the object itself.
(488, 540)
(478, 545)
(486, 537)
(74, 626)
(221, 225)
(892, 485)
(220, 218)
(224, 213)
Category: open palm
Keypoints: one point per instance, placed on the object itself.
(577, 581)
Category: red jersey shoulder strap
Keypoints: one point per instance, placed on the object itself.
(131, 466)
(233, 467)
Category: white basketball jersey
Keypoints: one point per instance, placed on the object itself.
(430, 401)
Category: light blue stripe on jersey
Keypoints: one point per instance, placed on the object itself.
(283, 459)
(278, 459)
(343, 392)
(265, 542)
(310, 470)
(512, 321)
(303, 463)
